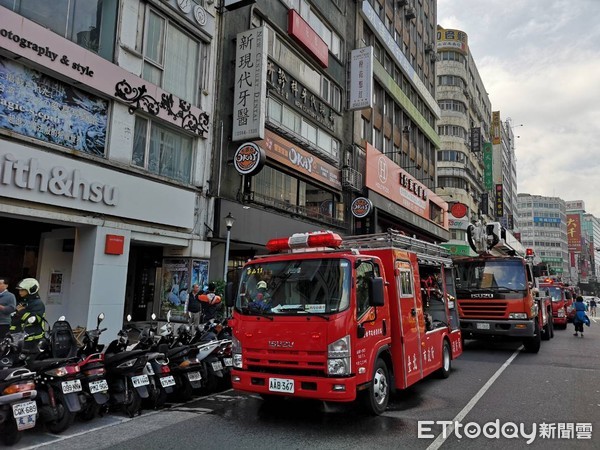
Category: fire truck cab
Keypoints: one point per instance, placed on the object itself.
(562, 300)
(498, 296)
(334, 320)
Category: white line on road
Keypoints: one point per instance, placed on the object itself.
(469, 406)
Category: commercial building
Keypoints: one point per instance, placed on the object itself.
(465, 159)
(542, 222)
(105, 150)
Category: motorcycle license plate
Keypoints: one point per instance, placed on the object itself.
(217, 366)
(483, 326)
(25, 414)
(228, 361)
(140, 380)
(194, 376)
(98, 386)
(167, 381)
(71, 386)
(281, 385)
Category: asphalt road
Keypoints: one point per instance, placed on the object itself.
(492, 386)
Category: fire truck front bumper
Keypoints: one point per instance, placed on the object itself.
(326, 389)
(500, 328)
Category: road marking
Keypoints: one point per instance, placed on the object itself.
(469, 406)
(594, 319)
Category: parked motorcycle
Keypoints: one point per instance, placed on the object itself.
(184, 364)
(127, 382)
(91, 366)
(58, 379)
(18, 409)
(162, 383)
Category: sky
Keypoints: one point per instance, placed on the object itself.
(539, 61)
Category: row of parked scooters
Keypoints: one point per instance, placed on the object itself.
(60, 380)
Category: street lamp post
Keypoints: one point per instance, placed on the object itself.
(229, 220)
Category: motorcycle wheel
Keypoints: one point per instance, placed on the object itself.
(10, 434)
(133, 404)
(161, 399)
(64, 417)
(90, 411)
(185, 392)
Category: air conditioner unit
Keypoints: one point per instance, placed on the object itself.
(401, 3)
(410, 12)
(352, 179)
(433, 57)
(429, 47)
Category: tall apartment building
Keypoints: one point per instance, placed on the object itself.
(105, 149)
(503, 170)
(591, 227)
(542, 222)
(465, 133)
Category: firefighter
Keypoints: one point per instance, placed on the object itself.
(30, 304)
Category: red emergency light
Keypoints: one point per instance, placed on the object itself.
(529, 252)
(305, 240)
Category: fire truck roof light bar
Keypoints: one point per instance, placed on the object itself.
(305, 240)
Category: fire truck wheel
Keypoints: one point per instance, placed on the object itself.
(546, 332)
(551, 325)
(532, 344)
(444, 371)
(375, 399)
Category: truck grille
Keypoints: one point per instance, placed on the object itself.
(482, 309)
(286, 362)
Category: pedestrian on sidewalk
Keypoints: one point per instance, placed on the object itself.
(580, 316)
(193, 305)
(593, 307)
(8, 305)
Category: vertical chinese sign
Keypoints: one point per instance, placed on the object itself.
(574, 232)
(361, 78)
(250, 93)
(499, 201)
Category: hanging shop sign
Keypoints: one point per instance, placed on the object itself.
(249, 159)
(361, 207)
(250, 91)
(361, 78)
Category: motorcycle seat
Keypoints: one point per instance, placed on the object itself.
(43, 364)
(116, 358)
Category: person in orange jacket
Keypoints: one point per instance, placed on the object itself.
(211, 303)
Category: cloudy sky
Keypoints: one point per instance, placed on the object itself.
(540, 63)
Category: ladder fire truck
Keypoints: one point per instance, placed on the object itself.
(336, 320)
(498, 295)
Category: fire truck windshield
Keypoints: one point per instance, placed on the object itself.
(493, 274)
(295, 287)
(553, 291)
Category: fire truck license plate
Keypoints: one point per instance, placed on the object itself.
(71, 386)
(167, 381)
(281, 385)
(194, 376)
(98, 386)
(141, 380)
(483, 326)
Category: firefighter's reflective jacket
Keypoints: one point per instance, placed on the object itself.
(33, 307)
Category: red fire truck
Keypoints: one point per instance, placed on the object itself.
(562, 300)
(332, 319)
(497, 293)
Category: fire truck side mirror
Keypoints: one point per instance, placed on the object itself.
(229, 295)
(376, 291)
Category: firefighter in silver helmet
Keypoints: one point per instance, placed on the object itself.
(29, 304)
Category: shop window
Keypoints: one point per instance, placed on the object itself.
(89, 23)
(171, 58)
(162, 151)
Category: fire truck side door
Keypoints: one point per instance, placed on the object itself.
(409, 320)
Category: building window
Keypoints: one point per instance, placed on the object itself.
(162, 151)
(171, 58)
(89, 23)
